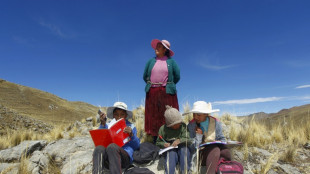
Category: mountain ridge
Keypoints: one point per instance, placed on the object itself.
(293, 114)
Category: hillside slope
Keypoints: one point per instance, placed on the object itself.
(42, 105)
(294, 115)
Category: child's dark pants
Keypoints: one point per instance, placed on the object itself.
(179, 155)
(113, 157)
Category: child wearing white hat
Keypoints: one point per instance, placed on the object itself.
(205, 128)
(114, 157)
(174, 133)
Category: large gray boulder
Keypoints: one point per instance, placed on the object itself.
(9, 168)
(73, 154)
(25, 148)
(289, 169)
(63, 148)
(78, 162)
(38, 162)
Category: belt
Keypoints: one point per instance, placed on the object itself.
(157, 83)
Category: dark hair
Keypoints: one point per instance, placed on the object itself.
(167, 53)
(119, 109)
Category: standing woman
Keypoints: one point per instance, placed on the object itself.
(161, 74)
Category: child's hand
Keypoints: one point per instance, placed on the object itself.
(166, 144)
(103, 118)
(198, 130)
(176, 142)
(128, 130)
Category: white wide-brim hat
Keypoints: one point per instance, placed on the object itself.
(202, 107)
(165, 43)
(119, 105)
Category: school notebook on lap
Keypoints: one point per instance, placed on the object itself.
(229, 143)
(114, 134)
(161, 151)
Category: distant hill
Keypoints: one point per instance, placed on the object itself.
(40, 105)
(295, 114)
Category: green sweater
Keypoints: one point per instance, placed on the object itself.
(170, 135)
(173, 75)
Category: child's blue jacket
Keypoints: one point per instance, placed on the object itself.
(134, 142)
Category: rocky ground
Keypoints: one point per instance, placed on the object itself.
(10, 120)
(74, 156)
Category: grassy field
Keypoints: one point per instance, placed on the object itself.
(280, 133)
(278, 138)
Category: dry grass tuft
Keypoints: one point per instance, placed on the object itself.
(13, 138)
(23, 167)
(138, 119)
(234, 132)
(245, 151)
(55, 134)
(260, 134)
(267, 166)
(52, 167)
(289, 154)
(94, 121)
(188, 117)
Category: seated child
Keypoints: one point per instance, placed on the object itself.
(205, 128)
(114, 157)
(174, 133)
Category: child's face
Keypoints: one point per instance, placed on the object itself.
(119, 113)
(176, 126)
(198, 117)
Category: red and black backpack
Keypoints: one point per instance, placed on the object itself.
(231, 167)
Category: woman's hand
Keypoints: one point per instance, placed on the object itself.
(128, 130)
(166, 144)
(176, 142)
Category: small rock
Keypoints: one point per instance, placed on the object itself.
(89, 119)
(307, 146)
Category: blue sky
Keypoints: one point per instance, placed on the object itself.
(244, 56)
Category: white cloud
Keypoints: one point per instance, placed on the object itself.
(306, 97)
(211, 61)
(53, 28)
(216, 67)
(303, 86)
(248, 101)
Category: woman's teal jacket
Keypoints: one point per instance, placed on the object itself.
(173, 75)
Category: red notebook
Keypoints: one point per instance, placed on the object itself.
(114, 134)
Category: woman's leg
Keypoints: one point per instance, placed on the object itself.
(118, 158)
(154, 110)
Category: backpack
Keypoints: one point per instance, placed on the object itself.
(137, 170)
(148, 152)
(231, 167)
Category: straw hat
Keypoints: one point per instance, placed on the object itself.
(203, 108)
(119, 105)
